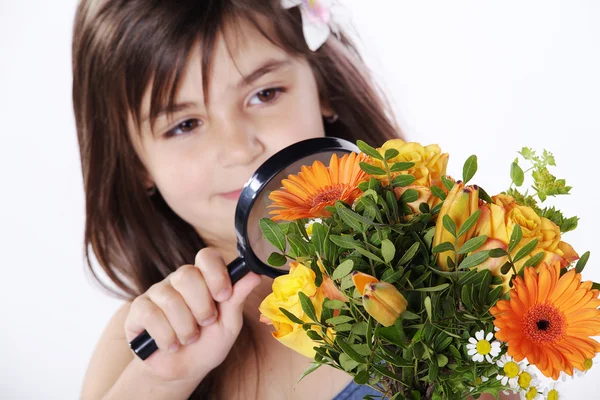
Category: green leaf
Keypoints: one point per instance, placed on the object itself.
(403, 180)
(433, 372)
(276, 259)
(449, 225)
(312, 368)
(473, 244)
(368, 150)
(442, 247)
(469, 223)
(299, 246)
(582, 262)
(409, 196)
(388, 250)
(391, 153)
(273, 233)
(535, 260)
(334, 304)
(465, 296)
(494, 295)
(291, 316)
(314, 335)
(390, 198)
(408, 315)
(362, 378)
(437, 192)
(427, 303)
(360, 328)
(484, 196)
(385, 372)
(516, 174)
(371, 169)
(528, 248)
(369, 255)
(433, 288)
(343, 269)
(345, 242)
(346, 348)
(340, 319)
(307, 306)
(410, 254)
(469, 168)
(447, 182)
(351, 218)
(318, 237)
(505, 268)
(347, 363)
(474, 259)
(401, 166)
(515, 238)
(497, 253)
(442, 360)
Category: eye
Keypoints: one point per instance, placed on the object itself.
(265, 96)
(184, 127)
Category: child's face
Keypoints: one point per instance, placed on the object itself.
(200, 157)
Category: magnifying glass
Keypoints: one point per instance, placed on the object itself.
(252, 206)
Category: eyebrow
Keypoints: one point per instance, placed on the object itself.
(265, 68)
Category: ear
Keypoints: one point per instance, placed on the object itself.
(326, 110)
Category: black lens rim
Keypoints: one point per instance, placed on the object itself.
(261, 178)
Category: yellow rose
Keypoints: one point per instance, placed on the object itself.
(497, 222)
(460, 204)
(425, 196)
(285, 295)
(430, 162)
(381, 300)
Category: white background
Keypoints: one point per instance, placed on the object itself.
(475, 77)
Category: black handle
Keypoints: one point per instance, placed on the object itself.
(143, 345)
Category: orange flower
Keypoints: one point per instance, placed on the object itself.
(307, 194)
(549, 320)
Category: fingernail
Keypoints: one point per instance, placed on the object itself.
(193, 339)
(209, 321)
(174, 347)
(224, 294)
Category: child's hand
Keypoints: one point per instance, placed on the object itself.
(194, 317)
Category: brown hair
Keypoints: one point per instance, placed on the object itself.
(120, 48)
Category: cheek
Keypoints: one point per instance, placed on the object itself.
(184, 183)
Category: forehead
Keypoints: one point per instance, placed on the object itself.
(238, 49)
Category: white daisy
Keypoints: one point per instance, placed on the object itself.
(509, 375)
(550, 392)
(527, 378)
(480, 347)
(530, 394)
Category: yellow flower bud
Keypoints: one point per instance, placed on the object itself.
(459, 205)
(383, 302)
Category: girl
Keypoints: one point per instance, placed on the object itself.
(177, 103)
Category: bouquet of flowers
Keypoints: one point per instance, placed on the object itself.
(421, 286)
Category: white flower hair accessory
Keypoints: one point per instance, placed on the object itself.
(319, 19)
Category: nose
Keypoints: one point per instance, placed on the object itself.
(239, 142)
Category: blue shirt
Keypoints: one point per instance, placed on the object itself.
(355, 391)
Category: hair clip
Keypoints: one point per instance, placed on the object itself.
(318, 19)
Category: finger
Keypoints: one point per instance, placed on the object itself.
(231, 310)
(144, 314)
(214, 271)
(174, 307)
(190, 284)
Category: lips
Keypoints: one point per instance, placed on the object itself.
(232, 195)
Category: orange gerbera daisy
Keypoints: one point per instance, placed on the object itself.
(307, 194)
(549, 320)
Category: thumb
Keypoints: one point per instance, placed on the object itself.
(231, 309)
